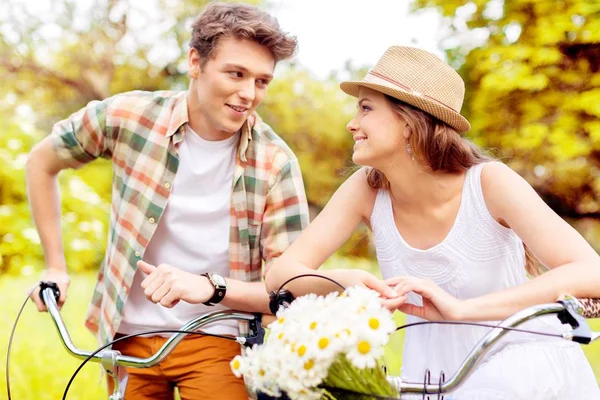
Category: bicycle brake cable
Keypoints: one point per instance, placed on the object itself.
(274, 296)
(10, 340)
(310, 275)
(281, 292)
(506, 328)
(240, 340)
(278, 295)
(88, 358)
(285, 297)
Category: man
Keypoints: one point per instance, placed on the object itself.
(203, 193)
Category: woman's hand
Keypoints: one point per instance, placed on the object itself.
(390, 299)
(438, 305)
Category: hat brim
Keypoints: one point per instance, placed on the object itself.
(441, 112)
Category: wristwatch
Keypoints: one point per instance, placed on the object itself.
(220, 286)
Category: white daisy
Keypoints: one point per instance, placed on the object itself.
(365, 353)
(238, 365)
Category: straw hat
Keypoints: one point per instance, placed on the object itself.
(420, 79)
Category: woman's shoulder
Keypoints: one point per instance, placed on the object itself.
(359, 181)
(498, 183)
(497, 177)
(495, 167)
(358, 188)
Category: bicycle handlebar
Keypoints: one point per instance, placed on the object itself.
(48, 296)
(570, 311)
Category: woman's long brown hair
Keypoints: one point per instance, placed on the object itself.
(439, 147)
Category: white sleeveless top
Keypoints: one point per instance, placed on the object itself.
(478, 256)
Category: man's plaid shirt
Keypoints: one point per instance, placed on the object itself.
(140, 132)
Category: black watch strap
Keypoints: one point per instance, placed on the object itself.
(220, 289)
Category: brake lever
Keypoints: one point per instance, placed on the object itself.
(256, 334)
(572, 315)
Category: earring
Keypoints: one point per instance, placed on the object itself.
(409, 151)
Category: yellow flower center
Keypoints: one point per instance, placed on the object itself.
(280, 320)
(364, 347)
(301, 350)
(236, 364)
(309, 365)
(374, 323)
(313, 326)
(261, 372)
(323, 343)
(280, 336)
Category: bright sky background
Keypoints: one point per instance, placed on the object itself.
(330, 32)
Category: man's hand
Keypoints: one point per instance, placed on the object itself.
(168, 285)
(58, 276)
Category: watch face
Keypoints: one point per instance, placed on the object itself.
(219, 280)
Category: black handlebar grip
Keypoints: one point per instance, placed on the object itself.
(283, 298)
(49, 285)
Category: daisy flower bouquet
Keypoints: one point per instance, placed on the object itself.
(319, 345)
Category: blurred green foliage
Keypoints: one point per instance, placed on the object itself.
(52, 67)
(85, 209)
(58, 55)
(534, 93)
(533, 87)
(311, 116)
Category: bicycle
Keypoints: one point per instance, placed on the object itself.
(570, 311)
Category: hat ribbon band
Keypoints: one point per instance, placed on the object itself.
(375, 77)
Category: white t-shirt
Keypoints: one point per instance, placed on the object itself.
(192, 234)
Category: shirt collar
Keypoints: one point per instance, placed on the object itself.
(180, 117)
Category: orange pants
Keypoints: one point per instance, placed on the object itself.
(198, 366)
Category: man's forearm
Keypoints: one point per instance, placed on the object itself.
(246, 296)
(44, 202)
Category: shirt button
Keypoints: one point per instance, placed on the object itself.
(151, 220)
(137, 254)
(124, 289)
(168, 185)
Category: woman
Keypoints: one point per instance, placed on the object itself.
(454, 232)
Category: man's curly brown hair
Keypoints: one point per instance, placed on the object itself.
(242, 21)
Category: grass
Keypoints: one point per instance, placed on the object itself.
(40, 367)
